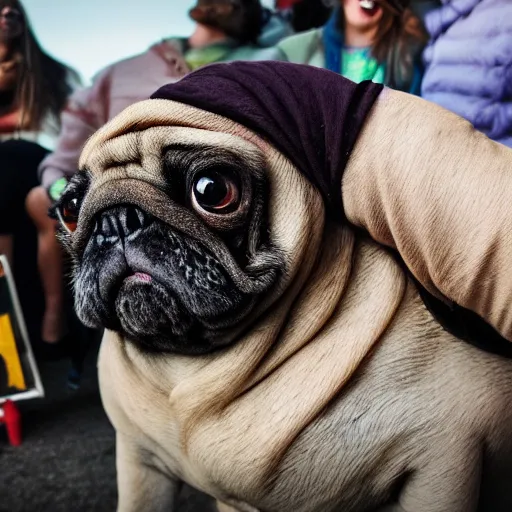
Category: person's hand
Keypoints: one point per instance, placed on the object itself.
(56, 188)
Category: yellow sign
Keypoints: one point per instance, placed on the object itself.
(9, 353)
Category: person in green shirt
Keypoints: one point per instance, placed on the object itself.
(378, 40)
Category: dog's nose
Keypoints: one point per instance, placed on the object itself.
(119, 223)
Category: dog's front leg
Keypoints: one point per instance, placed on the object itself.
(445, 482)
(141, 485)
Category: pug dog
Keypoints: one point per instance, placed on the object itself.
(258, 349)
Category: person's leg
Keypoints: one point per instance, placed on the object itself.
(19, 161)
(18, 174)
(49, 260)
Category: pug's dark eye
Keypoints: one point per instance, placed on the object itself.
(68, 213)
(216, 193)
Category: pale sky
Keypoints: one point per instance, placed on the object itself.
(90, 34)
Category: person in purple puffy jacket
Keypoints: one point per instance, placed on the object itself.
(469, 63)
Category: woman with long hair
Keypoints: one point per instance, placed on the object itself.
(34, 89)
(378, 40)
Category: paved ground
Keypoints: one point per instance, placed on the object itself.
(66, 462)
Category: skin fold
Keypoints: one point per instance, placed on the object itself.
(294, 366)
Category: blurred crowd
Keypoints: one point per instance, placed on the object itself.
(457, 53)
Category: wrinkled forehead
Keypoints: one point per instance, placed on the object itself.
(144, 155)
(152, 114)
(134, 143)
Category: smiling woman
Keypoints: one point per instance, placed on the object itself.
(378, 40)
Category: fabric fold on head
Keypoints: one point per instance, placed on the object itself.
(311, 115)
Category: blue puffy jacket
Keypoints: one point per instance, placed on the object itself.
(469, 63)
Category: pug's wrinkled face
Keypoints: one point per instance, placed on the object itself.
(175, 267)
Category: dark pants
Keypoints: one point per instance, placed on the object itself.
(19, 160)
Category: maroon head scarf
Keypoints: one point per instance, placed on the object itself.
(311, 115)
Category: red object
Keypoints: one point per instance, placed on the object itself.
(12, 420)
(9, 122)
(281, 5)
